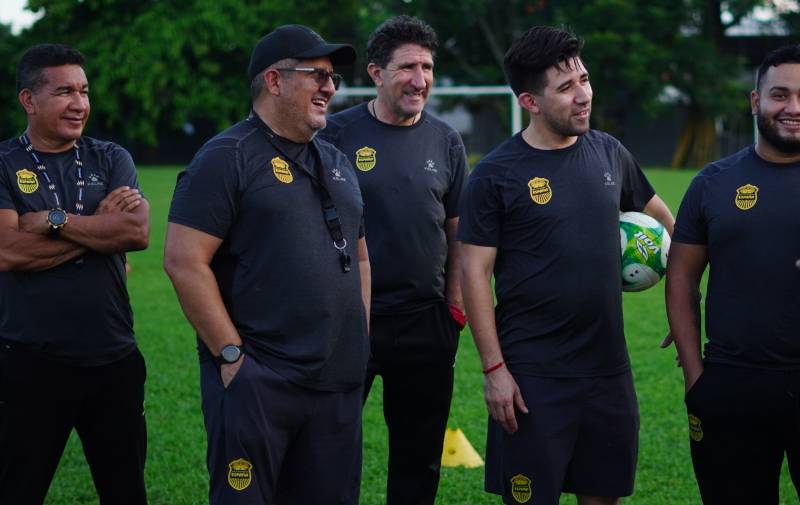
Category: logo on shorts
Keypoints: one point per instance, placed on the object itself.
(746, 197)
(695, 428)
(521, 488)
(281, 170)
(540, 190)
(365, 159)
(239, 474)
(27, 181)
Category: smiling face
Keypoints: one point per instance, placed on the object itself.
(776, 105)
(563, 106)
(404, 84)
(58, 109)
(303, 102)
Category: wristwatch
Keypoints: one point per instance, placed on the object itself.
(56, 219)
(230, 353)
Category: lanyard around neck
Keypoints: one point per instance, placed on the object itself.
(40, 166)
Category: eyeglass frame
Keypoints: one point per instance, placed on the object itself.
(318, 74)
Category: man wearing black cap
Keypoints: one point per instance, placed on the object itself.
(263, 224)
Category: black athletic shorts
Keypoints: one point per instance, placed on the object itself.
(741, 423)
(580, 436)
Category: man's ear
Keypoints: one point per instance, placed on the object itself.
(26, 100)
(374, 72)
(754, 99)
(528, 102)
(272, 81)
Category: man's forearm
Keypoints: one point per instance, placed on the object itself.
(111, 233)
(479, 304)
(200, 299)
(21, 251)
(453, 291)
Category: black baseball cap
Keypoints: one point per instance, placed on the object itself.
(299, 42)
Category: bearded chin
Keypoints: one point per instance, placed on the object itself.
(769, 132)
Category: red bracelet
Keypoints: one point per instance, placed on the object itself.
(492, 368)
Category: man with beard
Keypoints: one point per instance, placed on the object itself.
(412, 171)
(740, 217)
(541, 212)
(262, 227)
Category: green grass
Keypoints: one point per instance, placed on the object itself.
(176, 454)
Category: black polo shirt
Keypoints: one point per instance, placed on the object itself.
(554, 218)
(77, 312)
(412, 179)
(279, 275)
(744, 210)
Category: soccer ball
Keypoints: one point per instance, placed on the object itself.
(644, 244)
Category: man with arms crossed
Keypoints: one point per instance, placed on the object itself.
(740, 218)
(262, 228)
(541, 212)
(69, 210)
(412, 170)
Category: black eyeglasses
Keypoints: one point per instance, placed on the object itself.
(320, 75)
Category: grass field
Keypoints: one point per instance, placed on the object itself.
(176, 473)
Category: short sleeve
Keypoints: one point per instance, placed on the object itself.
(636, 189)
(690, 225)
(458, 162)
(123, 170)
(207, 193)
(6, 190)
(481, 211)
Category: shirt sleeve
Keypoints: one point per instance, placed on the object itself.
(458, 162)
(690, 225)
(481, 211)
(207, 193)
(6, 189)
(123, 170)
(636, 189)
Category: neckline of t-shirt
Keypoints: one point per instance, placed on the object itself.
(410, 127)
(771, 164)
(567, 149)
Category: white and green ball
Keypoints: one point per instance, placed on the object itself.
(644, 244)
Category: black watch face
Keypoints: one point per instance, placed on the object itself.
(57, 217)
(230, 353)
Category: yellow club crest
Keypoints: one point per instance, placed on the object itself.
(281, 170)
(240, 474)
(521, 488)
(365, 159)
(695, 428)
(746, 197)
(540, 190)
(27, 181)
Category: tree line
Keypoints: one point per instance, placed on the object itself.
(157, 66)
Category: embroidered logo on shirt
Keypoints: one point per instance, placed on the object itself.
(240, 474)
(608, 180)
(430, 166)
(521, 488)
(365, 159)
(94, 180)
(27, 181)
(281, 170)
(540, 190)
(695, 428)
(746, 197)
(337, 175)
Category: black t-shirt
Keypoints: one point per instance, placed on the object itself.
(412, 179)
(745, 211)
(554, 218)
(77, 312)
(279, 275)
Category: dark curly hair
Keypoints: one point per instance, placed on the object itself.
(396, 31)
(786, 54)
(37, 58)
(538, 49)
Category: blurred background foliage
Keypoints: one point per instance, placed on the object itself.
(167, 74)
